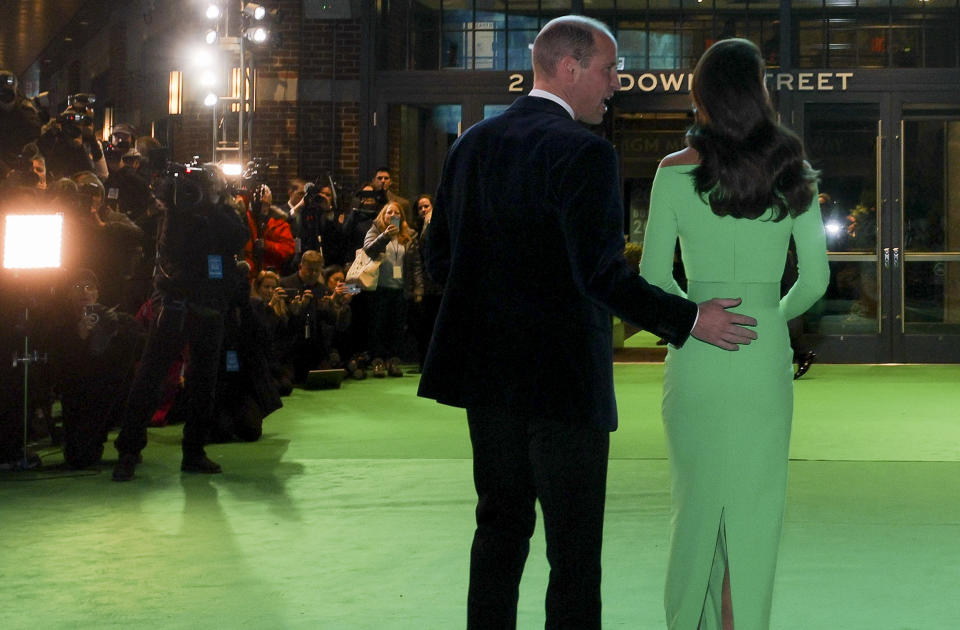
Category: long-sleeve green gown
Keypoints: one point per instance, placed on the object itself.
(727, 415)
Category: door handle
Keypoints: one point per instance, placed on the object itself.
(896, 257)
(886, 257)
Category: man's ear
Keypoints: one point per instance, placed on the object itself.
(568, 68)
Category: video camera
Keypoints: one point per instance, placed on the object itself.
(255, 173)
(71, 120)
(81, 100)
(380, 196)
(191, 186)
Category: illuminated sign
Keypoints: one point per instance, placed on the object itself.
(678, 82)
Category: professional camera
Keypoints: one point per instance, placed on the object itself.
(255, 174)
(112, 152)
(81, 101)
(380, 196)
(313, 199)
(190, 186)
(71, 121)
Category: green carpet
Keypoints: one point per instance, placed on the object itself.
(355, 512)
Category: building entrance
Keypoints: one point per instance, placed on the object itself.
(890, 199)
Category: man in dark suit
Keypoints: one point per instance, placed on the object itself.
(527, 238)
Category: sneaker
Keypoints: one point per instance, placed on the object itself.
(124, 468)
(200, 464)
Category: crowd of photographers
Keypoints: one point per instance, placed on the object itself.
(183, 297)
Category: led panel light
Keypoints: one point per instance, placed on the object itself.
(32, 241)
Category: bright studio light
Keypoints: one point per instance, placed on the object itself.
(254, 10)
(258, 35)
(213, 12)
(32, 241)
(231, 169)
(201, 58)
(210, 99)
(208, 78)
(211, 36)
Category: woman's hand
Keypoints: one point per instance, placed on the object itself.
(86, 324)
(279, 296)
(342, 292)
(392, 231)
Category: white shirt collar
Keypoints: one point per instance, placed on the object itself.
(553, 97)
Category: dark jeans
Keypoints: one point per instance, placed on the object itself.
(175, 327)
(518, 459)
(388, 322)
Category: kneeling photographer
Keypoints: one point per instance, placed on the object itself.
(196, 278)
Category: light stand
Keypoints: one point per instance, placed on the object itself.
(31, 244)
(25, 361)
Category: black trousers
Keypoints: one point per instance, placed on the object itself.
(518, 459)
(174, 327)
(388, 321)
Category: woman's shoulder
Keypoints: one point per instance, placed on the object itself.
(685, 157)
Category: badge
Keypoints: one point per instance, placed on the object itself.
(215, 267)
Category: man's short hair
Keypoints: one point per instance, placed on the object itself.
(571, 35)
(311, 257)
(382, 169)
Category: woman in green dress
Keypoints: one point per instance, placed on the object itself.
(734, 197)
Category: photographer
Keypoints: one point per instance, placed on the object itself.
(28, 170)
(317, 224)
(269, 302)
(130, 194)
(19, 122)
(93, 350)
(196, 279)
(61, 143)
(358, 222)
(83, 103)
(355, 228)
(314, 313)
(271, 243)
(99, 238)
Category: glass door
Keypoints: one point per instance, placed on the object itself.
(846, 141)
(418, 137)
(925, 251)
(890, 199)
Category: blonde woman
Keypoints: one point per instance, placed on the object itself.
(394, 243)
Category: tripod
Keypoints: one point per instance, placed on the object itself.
(25, 463)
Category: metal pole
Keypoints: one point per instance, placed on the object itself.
(213, 154)
(26, 383)
(243, 84)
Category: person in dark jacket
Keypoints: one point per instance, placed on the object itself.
(246, 391)
(426, 304)
(93, 350)
(19, 122)
(197, 279)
